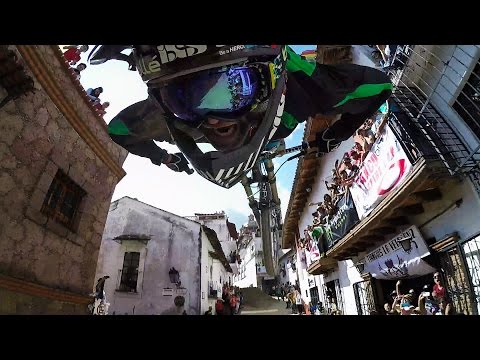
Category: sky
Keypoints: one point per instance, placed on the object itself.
(161, 187)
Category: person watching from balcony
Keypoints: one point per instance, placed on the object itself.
(72, 55)
(350, 168)
(334, 188)
(321, 216)
(367, 138)
(329, 205)
(358, 148)
(77, 70)
(355, 156)
(94, 94)
(101, 107)
(347, 180)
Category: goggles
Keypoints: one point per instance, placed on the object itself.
(227, 92)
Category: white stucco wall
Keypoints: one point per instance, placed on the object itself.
(247, 276)
(290, 275)
(228, 244)
(461, 61)
(175, 241)
(464, 220)
(205, 272)
(213, 272)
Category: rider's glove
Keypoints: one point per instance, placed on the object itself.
(179, 163)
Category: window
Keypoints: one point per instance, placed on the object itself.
(62, 200)
(471, 250)
(332, 291)
(467, 104)
(457, 280)
(129, 277)
(364, 297)
(314, 295)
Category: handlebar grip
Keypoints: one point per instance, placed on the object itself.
(301, 153)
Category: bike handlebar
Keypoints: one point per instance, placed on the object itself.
(302, 148)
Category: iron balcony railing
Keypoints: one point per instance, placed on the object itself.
(438, 88)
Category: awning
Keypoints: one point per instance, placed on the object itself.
(394, 260)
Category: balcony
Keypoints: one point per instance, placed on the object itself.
(322, 266)
(432, 165)
(435, 151)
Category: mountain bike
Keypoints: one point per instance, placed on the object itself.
(266, 206)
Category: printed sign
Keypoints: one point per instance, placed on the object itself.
(341, 223)
(167, 292)
(390, 261)
(181, 291)
(384, 169)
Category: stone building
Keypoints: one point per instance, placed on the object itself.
(58, 170)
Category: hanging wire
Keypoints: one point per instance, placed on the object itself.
(274, 174)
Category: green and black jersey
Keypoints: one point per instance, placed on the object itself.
(352, 90)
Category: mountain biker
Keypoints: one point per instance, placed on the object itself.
(239, 98)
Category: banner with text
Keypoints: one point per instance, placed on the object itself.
(341, 223)
(384, 169)
(390, 261)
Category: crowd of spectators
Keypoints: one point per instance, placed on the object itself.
(72, 55)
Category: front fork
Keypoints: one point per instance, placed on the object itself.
(266, 200)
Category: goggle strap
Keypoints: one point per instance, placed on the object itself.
(272, 74)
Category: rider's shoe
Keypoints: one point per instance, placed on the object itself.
(327, 143)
